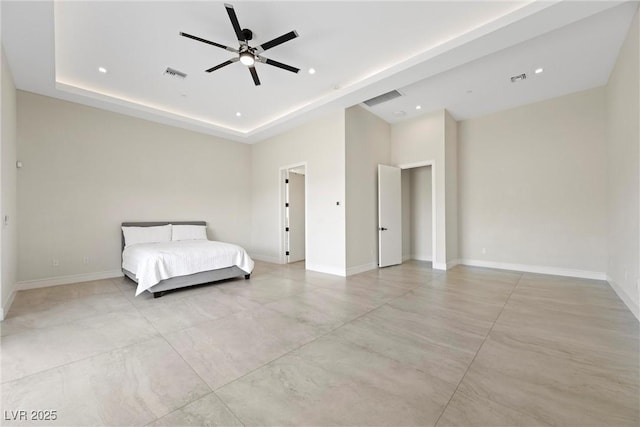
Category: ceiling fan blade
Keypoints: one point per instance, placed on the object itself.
(224, 64)
(234, 21)
(281, 65)
(279, 40)
(221, 46)
(254, 74)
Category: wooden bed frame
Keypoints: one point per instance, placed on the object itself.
(181, 281)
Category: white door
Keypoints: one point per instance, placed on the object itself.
(389, 216)
(295, 233)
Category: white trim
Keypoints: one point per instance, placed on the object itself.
(361, 268)
(626, 299)
(540, 269)
(65, 280)
(266, 258)
(406, 257)
(439, 266)
(416, 164)
(5, 309)
(326, 269)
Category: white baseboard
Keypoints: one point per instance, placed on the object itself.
(439, 265)
(266, 258)
(406, 257)
(452, 263)
(419, 257)
(65, 280)
(326, 269)
(634, 306)
(555, 271)
(7, 306)
(361, 268)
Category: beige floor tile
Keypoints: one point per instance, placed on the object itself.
(37, 350)
(459, 312)
(333, 382)
(191, 310)
(565, 317)
(44, 314)
(265, 289)
(322, 308)
(34, 297)
(439, 348)
(472, 411)
(370, 290)
(206, 411)
(130, 386)
(555, 390)
(560, 351)
(480, 289)
(400, 275)
(222, 350)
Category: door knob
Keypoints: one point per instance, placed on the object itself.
(382, 229)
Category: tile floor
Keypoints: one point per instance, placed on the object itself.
(404, 345)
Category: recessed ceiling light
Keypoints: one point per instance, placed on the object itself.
(418, 107)
(469, 92)
(539, 70)
(312, 70)
(102, 70)
(238, 114)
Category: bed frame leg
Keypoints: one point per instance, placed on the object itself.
(158, 294)
(247, 276)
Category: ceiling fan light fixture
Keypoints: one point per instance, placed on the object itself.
(247, 58)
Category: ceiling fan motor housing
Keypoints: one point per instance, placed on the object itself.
(247, 34)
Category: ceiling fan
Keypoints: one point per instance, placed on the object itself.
(248, 55)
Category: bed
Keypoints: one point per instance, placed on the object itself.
(165, 264)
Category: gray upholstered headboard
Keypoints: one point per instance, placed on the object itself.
(154, 224)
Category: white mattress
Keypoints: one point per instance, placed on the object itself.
(153, 262)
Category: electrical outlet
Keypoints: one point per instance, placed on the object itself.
(55, 262)
(484, 251)
(85, 260)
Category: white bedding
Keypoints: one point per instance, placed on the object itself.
(153, 262)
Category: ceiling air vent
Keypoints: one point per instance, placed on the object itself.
(383, 98)
(175, 73)
(519, 77)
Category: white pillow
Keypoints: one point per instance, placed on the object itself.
(156, 234)
(189, 232)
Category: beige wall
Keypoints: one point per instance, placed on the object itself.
(8, 202)
(321, 145)
(87, 170)
(451, 186)
(623, 140)
(368, 143)
(532, 185)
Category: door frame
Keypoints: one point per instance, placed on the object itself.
(282, 175)
(431, 163)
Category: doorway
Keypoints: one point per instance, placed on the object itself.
(417, 214)
(295, 214)
(406, 213)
